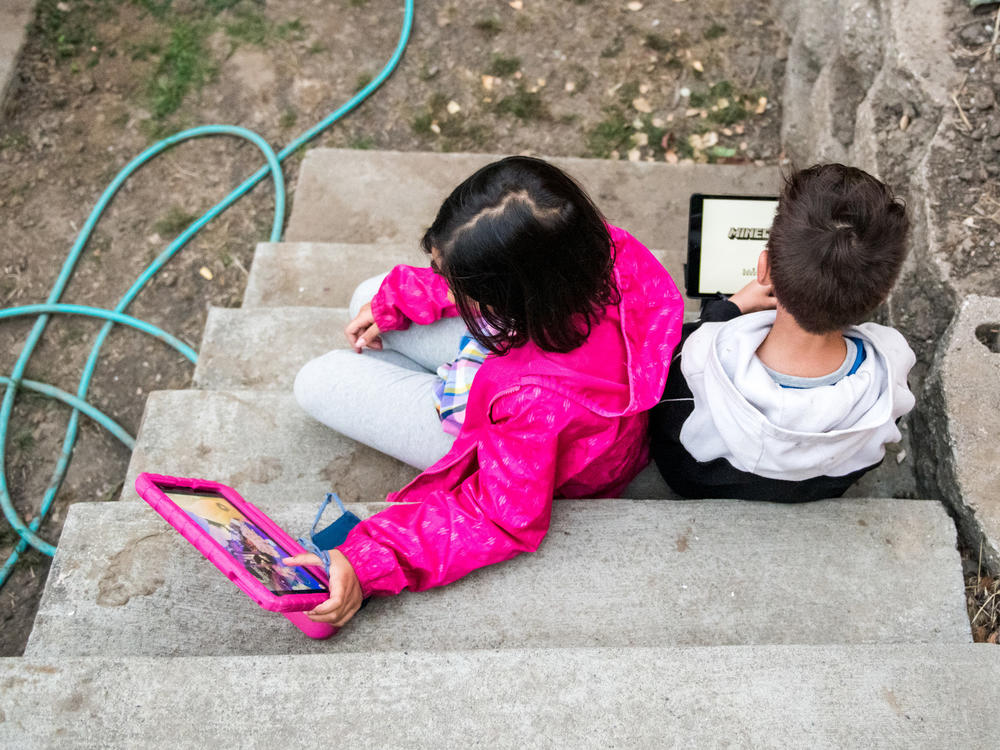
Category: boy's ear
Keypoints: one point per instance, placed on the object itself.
(763, 268)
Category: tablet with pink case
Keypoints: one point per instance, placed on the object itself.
(243, 543)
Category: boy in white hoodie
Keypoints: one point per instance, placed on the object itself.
(777, 393)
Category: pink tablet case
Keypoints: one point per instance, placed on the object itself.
(291, 606)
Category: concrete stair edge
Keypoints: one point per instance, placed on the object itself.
(823, 696)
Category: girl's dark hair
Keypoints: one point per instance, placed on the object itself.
(527, 255)
(836, 247)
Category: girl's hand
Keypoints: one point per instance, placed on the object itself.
(345, 589)
(362, 331)
(754, 297)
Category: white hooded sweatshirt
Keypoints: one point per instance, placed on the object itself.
(742, 415)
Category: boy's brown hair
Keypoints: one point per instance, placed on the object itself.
(836, 247)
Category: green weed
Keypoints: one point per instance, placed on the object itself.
(288, 118)
(524, 105)
(175, 221)
(362, 80)
(185, 66)
(714, 31)
(489, 26)
(659, 43)
(610, 134)
(501, 66)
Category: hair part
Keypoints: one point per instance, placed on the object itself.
(527, 255)
(836, 247)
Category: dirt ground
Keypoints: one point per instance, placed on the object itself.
(99, 80)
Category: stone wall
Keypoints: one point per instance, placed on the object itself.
(870, 84)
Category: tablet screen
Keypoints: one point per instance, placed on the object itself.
(246, 543)
(730, 236)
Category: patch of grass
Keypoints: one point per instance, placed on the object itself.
(421, 124)
(144, 50)
(628, 91)
(524, 105)
(24, 441)
(731, 114)
(714, 31)
(288, 118)
(610, 134)
(186, 65)
(362, 80)
(489, 26)
(362, 143)
(502, 66)
(615, 48)
(658, 43)
(722, 88)
(67, 33)
(316, 48)
(14, 139)
(175, 221)
(250, 27)
(358, 3)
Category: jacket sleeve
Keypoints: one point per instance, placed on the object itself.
(411, 294)
(501, 509)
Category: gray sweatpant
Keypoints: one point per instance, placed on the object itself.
(384, 399)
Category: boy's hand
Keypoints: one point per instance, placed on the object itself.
(754, 297)
(362, 331)
(345, 589)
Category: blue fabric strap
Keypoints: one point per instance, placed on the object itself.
(333, 535)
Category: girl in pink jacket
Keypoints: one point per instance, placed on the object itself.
(580, 321)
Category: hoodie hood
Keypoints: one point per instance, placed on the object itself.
(742, 415)
(621, 368)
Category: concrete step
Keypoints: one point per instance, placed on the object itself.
(317, 274)
(262, 443)
(610, 573)
(320, 274)
(263, 348)
(386, 196)
(764, 696)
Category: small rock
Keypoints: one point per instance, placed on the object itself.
(641, 104)
(634, 6)
(205, 273)
(981, 96)
(972, 35)
(993, 129)
(570, 87)
(454, 107)
(634, 155)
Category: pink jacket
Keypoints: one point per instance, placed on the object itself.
(538, 425)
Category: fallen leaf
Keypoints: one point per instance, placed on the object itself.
(640, 139)
(634, 155)
(761, 106)
(642, 104)
(904, 122)
(488, 82)
(698, 66)
(516, 4)
(671, 157)
(435, 128)
(205, 273)
(722, 152)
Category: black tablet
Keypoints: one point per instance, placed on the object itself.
(726, 233)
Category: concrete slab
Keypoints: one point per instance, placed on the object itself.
(317, 274)
(963, 397)
(15, 15)
(263, 348)
(762, 697)
(386, 196)
(613, 573)
(259, 442)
